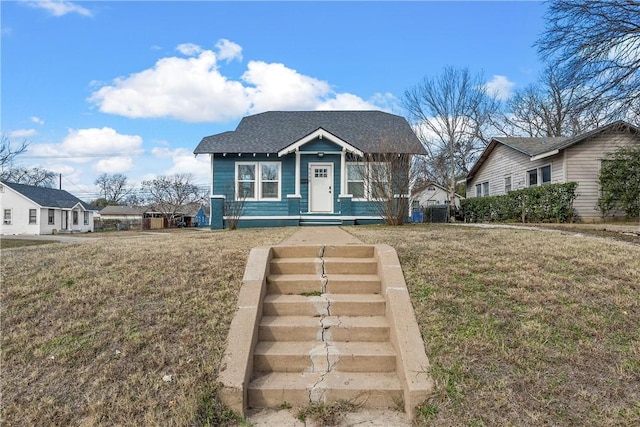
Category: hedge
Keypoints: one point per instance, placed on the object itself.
(547, 203)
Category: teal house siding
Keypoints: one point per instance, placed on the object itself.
(299, 141)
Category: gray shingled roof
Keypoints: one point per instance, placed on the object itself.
(122, 210)
(48, 197)
(270, 132)
(536, 146)
(533, 146)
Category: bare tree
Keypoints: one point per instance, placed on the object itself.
(36, 176)
(451, 114)
(8, 152)
(388, 179)
(234, 206)
(552, 108)
(168, 194)
(595, 44)
(113, 187)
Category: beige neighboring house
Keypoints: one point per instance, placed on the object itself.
(122, 213)
(27, 209)
(434, 194)
(514, 163)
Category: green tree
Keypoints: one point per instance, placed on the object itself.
(620, 182)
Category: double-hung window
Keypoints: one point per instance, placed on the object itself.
(482, 189)
(356, 177)
(507, 184)
(33, 216)
(539, 176)
(86, 218)
(258, 180)
(75, 217)
(368, 181)
(7, 217)
(51, 218)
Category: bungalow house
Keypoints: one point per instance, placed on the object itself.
(513, 163)
(27, 209)
(302, 167)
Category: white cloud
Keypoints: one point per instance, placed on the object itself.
(189, 49)
(113, 165)
(189, 89)
(59, 7)
(183, 161)
(194, 89)
(228, 50)
(22, 133)
(36, 120)
(346, 101)
(83, 144)
(500, 86)
(276, 87)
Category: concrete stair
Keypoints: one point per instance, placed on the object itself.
(323, 332)
(321, 324)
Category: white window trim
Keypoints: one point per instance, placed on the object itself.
(366, 179)
(6, 221)
(35, 217)
(539, 175)
(257, 188)
(481, 185)
(510, 183)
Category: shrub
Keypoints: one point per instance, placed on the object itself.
(547, 203)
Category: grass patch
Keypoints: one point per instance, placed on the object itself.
(125, 330)
(523, 327)
(311, 294)
(9, 243)
(326, 414)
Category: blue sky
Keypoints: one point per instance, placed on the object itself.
(132, 87)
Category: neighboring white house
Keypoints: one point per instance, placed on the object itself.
(27, 209)
(434, 194)
(514, 163)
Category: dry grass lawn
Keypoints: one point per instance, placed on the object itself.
(521, 327)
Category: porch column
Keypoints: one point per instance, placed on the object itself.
(297, 184)
(211, 161)
(217, 212)
(343, 172)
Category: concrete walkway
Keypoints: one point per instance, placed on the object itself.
(311, 236)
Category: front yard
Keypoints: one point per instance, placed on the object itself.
(521, 327)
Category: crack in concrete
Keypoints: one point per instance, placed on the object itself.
(315, 392)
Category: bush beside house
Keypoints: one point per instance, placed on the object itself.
(548, 203)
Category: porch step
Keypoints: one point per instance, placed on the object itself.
(316, 221)
(304, 284)
(340, 305)
(319, 356)
(334, 265)
(326, 328)
(381, 390)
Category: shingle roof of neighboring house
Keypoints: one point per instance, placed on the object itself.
(546, 145)
(270, 132)
(122, 210)
(49, 197)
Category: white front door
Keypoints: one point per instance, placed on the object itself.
(321, 187)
